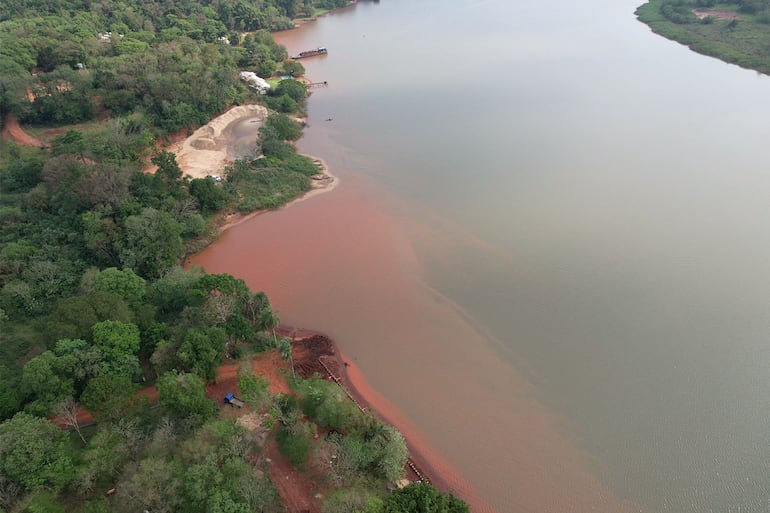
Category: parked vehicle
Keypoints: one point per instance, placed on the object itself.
(234, 401)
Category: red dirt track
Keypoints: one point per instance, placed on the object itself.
(12, 131)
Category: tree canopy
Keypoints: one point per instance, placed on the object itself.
(34, 453)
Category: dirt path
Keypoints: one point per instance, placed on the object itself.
(12, 131)
(297, 491)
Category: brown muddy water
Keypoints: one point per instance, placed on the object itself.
(340, 264)
(549, 249)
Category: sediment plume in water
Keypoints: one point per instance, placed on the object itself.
(337, 263)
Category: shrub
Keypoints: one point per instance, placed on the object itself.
(295, 89)
(285, 128)
(423, 498)
(253, 389)
(294, 442)
(327, 404)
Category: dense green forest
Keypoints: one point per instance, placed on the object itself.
(737, 32)
(94, 303)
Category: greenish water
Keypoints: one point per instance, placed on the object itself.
(575, 204)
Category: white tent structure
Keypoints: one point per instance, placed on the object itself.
(258, 83)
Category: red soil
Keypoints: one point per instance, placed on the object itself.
(298, 492)
(13, 132)
(310, 348)
(301, 491)
(719, 15)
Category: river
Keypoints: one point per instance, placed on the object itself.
(549, 248)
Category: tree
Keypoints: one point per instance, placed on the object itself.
(20, 174)
(41, 501)
(210, 196)
(202, 349)
(34, 453)
(168, 168)
(150, 486)
(73, 317)
(393, 455)
(71, 143)
(124, 283)
(284, 347)
(102, 459)
(67, 412)
(10, 400)
(42, 385)
(294, 68)
(254, 304)
(286, 128)
(108, 396)
(15, 257)
(254, 389)
(294, 441)
(423, 498)
(151, 243)
(177, 290)
(79, 360)
(116, 338)
(296, 90)
(119, 341)
(183, 395)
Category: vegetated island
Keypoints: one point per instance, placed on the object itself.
(736, 32)
(113, 392)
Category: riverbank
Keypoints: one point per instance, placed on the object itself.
(427, 460)
(424, 461)
(324, 181)
(207, 144)
(725, 33)
(206, 152)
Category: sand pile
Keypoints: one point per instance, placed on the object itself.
(204, 153)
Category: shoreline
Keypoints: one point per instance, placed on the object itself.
(428, 461)
(327, 183)
(430, 466)
(204, 153)
(704, 44)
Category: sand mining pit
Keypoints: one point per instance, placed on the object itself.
(205, 152)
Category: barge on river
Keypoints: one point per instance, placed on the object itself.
(321, 50)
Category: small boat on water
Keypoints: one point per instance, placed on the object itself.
(321, 50)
